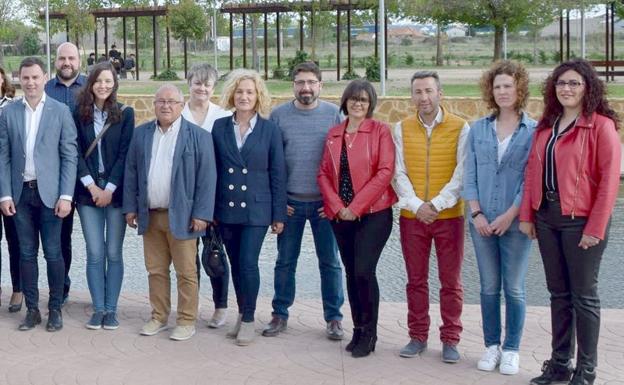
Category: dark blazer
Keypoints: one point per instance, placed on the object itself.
(193, 178)
(56, 152)
(114, 144)
(251, 183)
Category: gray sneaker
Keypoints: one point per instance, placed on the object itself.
(334, 330)
(450, 355)
(413, 348)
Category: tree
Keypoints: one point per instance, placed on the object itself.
(187, 21)
(79, 19)
(8, 12)
(440, 12)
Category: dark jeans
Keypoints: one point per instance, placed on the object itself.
(32, 219)
(14, 253)
(572, 280)
(289, 248)
(243, 244)
(219, 284)
(360, 243)
(66, 247)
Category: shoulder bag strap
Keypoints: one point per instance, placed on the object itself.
(100, 135)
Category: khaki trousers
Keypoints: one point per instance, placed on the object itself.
(161, 248)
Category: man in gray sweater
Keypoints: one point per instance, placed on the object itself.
(304, 123)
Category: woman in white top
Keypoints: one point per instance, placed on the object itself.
(199, 110)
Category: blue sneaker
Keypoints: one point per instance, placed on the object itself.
(95, 322)
(450, 355)
(110, 321)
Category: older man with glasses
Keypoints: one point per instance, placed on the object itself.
(169, 192)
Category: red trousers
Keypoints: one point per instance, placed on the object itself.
(416, 237)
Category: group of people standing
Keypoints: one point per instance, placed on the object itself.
(244, 169)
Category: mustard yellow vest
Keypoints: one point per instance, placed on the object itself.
(430, 162)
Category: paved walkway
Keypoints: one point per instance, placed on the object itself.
(301, 356)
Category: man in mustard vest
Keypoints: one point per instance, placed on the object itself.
(428, 176)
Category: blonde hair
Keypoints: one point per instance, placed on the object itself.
(263, 101)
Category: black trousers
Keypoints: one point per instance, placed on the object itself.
(360, 243)
(14, 252)
(572, 280)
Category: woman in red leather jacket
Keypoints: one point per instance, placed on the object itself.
(571, 184)
(354, 179)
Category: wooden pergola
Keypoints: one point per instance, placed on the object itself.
(300, 7)
(124, 14)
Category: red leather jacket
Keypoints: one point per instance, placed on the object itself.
(588, 172)
(371, 163)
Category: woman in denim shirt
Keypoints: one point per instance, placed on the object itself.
(497, 151)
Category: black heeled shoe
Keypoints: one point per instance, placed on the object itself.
(357, 333)
(366, 344)
(15, 304)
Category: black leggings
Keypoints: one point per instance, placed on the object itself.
(14, 253)
(360, 243)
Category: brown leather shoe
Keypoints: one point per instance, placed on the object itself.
(275, 327)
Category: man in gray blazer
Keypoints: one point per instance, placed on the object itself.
(169, 193)
(38, 160)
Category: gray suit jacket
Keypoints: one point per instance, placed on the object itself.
(56, 152)
(193, 178)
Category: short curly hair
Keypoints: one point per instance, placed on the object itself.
(7, 88)
(263, 102)
(513, 69)
(594, 100)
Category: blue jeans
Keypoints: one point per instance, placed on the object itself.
(289, 247)
(104, 229)
(243, 244)
(32, 219)
(502, 259)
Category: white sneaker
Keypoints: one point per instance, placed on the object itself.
(509, 363)
(246, 334)
(233, 332)
(490, 358)
(218, 318)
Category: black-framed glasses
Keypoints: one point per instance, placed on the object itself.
(573, 84)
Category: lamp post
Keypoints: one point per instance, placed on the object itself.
(47, 18)
(382, 35)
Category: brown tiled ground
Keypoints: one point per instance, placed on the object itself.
(301, 356)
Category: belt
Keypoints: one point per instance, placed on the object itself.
(159, 210)
(31, 184)
(552, 196)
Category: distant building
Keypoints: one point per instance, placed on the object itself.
(397, 33)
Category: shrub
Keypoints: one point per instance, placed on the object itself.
(300, 57)
(350, 75)
(373, 73)
(280, 73)
(409, 59)
(167, 74)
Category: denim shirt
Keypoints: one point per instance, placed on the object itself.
(496, 186)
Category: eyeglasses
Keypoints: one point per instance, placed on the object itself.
(161, 102)
(573, 84)
(358, 99)
(310, 83)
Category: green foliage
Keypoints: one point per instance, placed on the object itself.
(167, 75)
(542, 57)
(406, 42)
(300, 57)
(30, 44)
(409, 59)
(350, 75)
(187, 20)
(373, 73)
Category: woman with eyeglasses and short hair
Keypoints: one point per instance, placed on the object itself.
(199, 110)
(571, 184)
(354, 178)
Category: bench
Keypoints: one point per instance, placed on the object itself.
(610, 68)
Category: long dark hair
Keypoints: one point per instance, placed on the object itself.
(7, 88)
(86, 99)
(594, 100)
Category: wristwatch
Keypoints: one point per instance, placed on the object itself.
(476, 214)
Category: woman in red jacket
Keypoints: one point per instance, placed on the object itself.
(571, 184)
(354, 179)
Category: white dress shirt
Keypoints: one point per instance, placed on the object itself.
(99, 120)
(32, 119)
(449, 194)
(161, 165)
(240, 141)
(214, 112)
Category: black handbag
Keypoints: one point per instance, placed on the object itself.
(213, 253)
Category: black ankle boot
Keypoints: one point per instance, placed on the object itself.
(583, 376)
(357, 333)
(365, 344)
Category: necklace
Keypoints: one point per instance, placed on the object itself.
(347, 136)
